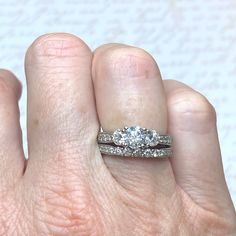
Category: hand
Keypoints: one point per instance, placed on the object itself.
(67, 188)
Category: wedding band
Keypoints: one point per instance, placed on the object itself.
(129, 152)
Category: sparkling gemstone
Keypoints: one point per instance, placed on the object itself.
(108, 138)
(156, 153)
(135, 137)
(128, 151)
(151, 138)
(119, 151)
(148, 152)
(119, 137)
(137, 153)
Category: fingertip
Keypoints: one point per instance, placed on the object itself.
(56, 45)
(197, 162)
(125, 61)
(9, 84)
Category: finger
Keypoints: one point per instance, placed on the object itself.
(129, 91)
(197, 160)
(11, 150)
(62, 122)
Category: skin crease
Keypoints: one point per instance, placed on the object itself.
(67, 187)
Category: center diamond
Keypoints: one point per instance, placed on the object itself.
(135, 137)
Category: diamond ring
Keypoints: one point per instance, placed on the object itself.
(135, 141)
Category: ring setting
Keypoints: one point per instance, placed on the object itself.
(134, 141)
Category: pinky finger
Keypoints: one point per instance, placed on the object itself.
(197, 164)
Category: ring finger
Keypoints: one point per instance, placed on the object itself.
(129, 92)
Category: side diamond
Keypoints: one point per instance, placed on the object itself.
(151, 138)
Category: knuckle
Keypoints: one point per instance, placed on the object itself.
(149, 218)
(192, 105)
(60, 45)
(66, 207)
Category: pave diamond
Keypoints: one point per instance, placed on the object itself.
(148, 152)
(135, 137)
(128, 151)
(139, 153)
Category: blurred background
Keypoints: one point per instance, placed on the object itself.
(192, 41)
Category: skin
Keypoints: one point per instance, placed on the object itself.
(67, 188)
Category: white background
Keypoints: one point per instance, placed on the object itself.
(192, 41)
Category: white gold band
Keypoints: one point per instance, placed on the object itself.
(129, 152)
